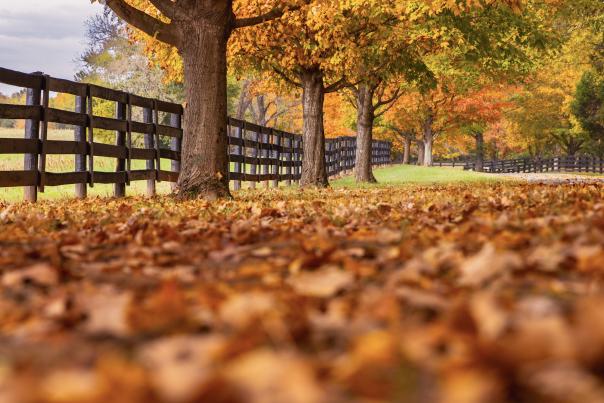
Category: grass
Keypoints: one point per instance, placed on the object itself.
(399, 175)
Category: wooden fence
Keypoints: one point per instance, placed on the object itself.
(555, 164)
(256, 153)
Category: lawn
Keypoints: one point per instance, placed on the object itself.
(412, 174)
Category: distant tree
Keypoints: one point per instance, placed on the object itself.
(588, 106)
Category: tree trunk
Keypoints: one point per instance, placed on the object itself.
(363, 171)
(205, 167)
(407, 151)
(420, 153)
(479, 167)
(428, 140)
(313, 162)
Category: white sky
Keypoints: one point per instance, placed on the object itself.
(43, 35)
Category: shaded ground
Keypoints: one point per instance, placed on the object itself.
(457, 293)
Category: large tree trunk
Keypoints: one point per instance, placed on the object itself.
(205, 168)
(313, 162)
(365, 115)
(420, 153)
(407, 152)
(479, 167)
(428, 140)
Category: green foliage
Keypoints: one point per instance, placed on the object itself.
(588, 106)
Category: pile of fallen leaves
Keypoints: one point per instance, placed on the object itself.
(489, 293)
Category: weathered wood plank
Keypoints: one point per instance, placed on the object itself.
(19, 79)
(65, 178)
(168, 176)
(169, 107)
(110, 177)
(66, 86)
(142, 154)
(109, 124)
(169, 154)
(65, 117)
(18, 178)
(163, 130)
(66, 147)
(8, 111)
(143, 102)
(19, 146)
(142, 174)
(107, 93)
(109, 150)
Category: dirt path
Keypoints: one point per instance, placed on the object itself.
(554, 178)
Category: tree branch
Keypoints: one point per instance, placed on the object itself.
(394, 97)
(275, 13)
(166, 7)
(338, 85)
(143, 21)
(383, 111)
(286, 78)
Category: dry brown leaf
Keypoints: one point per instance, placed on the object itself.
(322, 283)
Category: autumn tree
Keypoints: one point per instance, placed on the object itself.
(476, 44)
(199, 31)
(475, 112)
(305, 50)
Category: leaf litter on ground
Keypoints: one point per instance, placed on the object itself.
(456, 293)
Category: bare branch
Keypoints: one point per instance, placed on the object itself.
(143, 21)
(275, 13)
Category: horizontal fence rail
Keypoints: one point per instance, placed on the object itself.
(555, 164)
(256, 153)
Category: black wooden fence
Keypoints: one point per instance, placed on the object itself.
(555, 164)
(256, 153)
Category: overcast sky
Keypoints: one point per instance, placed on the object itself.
(43, 35)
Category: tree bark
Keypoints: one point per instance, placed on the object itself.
(313, 163)
(479, 167)
(363, 171)
(407, 151)
(205, 167)
(199, 30)
(420, 152)
(428, 139)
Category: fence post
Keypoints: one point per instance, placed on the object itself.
(80, 136)
(288, 143)
(89, 111)
(149, 145)
(255, 155)
(277, 155)
(32, 131)
(119, 189)
(266, 153)
(239, 153)
(176, 144)
(43, 134)
(298, 159)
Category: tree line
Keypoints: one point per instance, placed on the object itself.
(417, 71)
